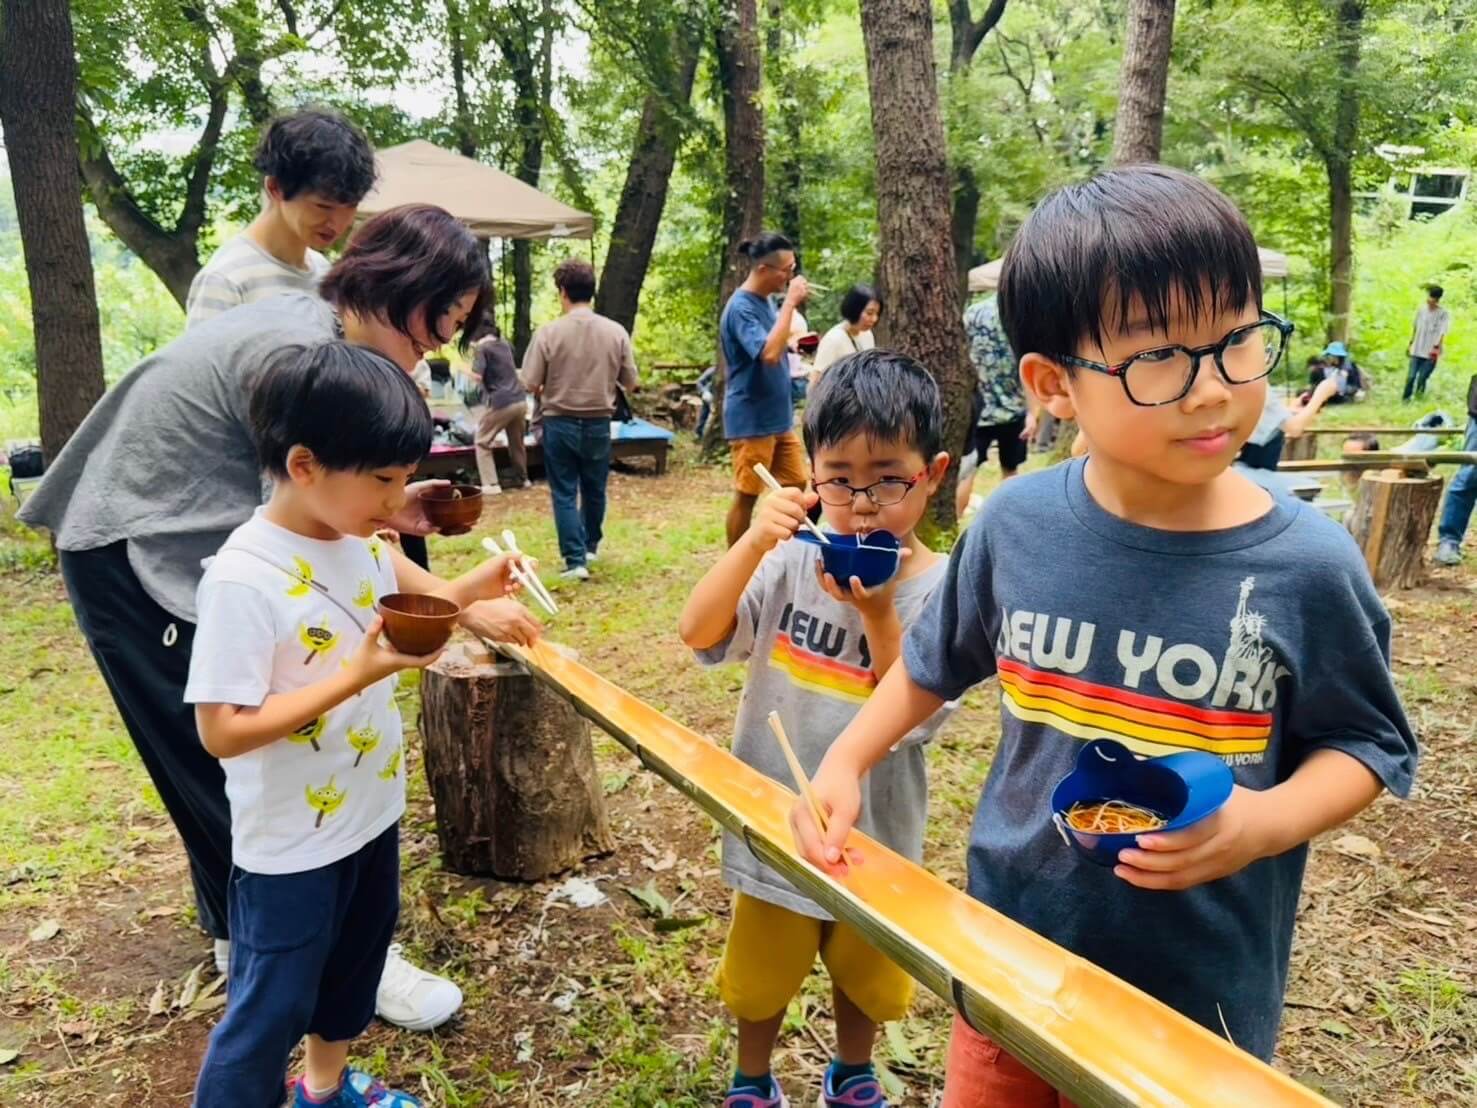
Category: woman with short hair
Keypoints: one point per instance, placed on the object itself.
(163, 469)
(861, 308)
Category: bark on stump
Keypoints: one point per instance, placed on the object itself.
(1391, 522)
(511, 771)
(1301, 448)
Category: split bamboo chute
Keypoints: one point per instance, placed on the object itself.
(1097, 1039)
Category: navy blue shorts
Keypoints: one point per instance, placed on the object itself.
(307, 952)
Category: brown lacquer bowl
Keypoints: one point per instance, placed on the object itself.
(417, 624)
(453, 508)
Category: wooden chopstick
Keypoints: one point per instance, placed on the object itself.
(801, 781)
(775, 486)
(512, 541)
(490, 545)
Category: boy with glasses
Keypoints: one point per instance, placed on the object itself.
(1164, 601)
(816, 647)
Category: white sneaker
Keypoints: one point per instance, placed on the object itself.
(222, 956)
(576, 573)
(412, 998)
(591, 556)
(1448, 553)
(492, 490)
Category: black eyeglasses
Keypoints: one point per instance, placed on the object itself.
(1167, 373)
(839, 493)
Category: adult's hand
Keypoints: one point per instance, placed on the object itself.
(797, 292)
(412, 519)
(1029, 431)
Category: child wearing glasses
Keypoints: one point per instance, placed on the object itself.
(816, 648)
(1152, 595)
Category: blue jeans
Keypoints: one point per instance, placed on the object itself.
(577, 462)
(1461, 494)
(1420, 372)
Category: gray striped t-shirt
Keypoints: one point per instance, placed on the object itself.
(242, 272)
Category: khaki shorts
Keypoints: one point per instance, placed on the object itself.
(771, 950)
(783, 455)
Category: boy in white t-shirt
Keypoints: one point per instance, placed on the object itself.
(294, 693)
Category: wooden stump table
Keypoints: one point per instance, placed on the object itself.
(1391, 522)
(511, 770)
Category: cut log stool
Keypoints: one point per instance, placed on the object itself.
(1391, 522)
(511, 770)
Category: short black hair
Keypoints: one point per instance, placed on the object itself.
(1090, 251)
(577, 278)
(767, 243)
(1366, 440)
(855, 302)
(413, 255)
(1435, 292)
(350, 405)
(886, 396)
(317, 150)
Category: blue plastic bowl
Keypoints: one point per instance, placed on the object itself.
(872, 559)
(1183, 788)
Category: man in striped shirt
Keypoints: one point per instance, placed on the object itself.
(316, 167)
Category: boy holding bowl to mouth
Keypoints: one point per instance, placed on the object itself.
(816, 648)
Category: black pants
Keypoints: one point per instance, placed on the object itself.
(146, 666)
(415, 549)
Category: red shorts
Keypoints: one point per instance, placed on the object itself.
(981, 1075)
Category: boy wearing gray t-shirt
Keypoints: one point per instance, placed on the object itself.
(816, 648)
(1149, 594)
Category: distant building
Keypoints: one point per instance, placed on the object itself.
(1424, 190)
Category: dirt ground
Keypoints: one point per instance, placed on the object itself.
(105, 997)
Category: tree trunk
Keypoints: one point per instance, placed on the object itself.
(743, 140)
(1391, 522)
(1138, 132)
(639, 214)
(916, 248)
(38, 90)
(965, 36)
(462, 127)
(789, 175)
(511, 771)
(1339, 160)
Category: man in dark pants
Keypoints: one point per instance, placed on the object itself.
(574, 366)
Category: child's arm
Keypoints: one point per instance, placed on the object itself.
(483, 593)
(711, 612)
(880, 622)
(1329, 788)
(230, 730)
(895, 707)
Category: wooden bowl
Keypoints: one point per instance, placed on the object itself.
(453, 508)
(418, 624)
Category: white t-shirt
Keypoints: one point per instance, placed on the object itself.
(267, 625)
(837, 343)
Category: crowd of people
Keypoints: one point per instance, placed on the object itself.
(238, 639)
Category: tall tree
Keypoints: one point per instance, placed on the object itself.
(786, 154)
(664, 123)
(917, 254)
(525, 33)
(1138, 131)
(739, 78)
(38, 91)
(965, 36)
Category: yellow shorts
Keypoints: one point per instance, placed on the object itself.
(771, 950)
(783, 455)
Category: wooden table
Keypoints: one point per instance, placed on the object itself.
(447, 461)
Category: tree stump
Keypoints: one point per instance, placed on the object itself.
(1391, 522)
(511, 770)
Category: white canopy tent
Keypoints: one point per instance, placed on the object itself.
(986, 278)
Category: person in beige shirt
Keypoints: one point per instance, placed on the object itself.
(574, 366)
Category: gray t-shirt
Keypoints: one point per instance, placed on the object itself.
(1261, 643)
(165, 459)
(809, 661)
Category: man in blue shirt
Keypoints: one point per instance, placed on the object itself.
(758, 414)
